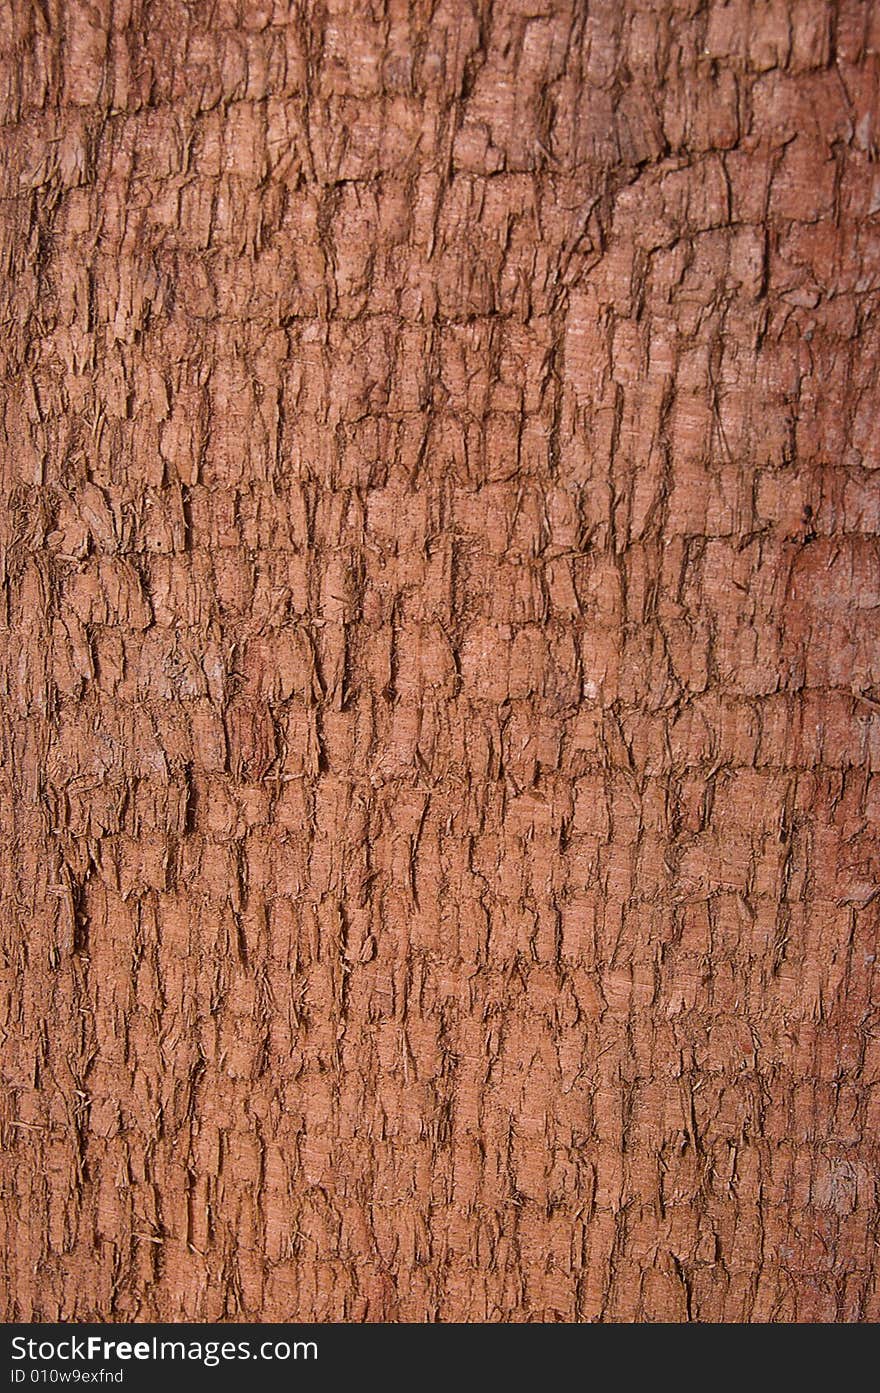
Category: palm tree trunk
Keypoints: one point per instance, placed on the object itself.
(440, 693)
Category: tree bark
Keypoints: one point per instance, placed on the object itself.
(440, 678)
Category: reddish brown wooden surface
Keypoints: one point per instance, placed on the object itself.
(440, 680)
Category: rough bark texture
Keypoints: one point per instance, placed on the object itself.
(440, 679)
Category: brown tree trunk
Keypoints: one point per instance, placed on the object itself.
(440, 682)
